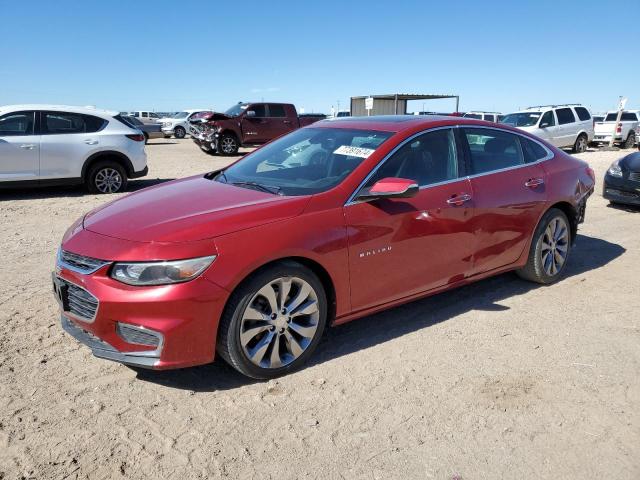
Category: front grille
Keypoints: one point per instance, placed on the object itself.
(85, 337)
(621, 193)
(138, 335)
(80, 263)
(80, 302)
(634, 176)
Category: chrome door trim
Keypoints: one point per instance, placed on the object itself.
(352, 198)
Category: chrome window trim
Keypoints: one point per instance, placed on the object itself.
(352, 198)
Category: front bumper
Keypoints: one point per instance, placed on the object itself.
(184, 317)
(167, 130)
(621, 190)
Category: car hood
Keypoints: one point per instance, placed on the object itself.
(190, 209)
(631, 162)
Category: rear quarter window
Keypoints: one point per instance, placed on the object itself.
(565, 115)
(533, 151)
(583, 113)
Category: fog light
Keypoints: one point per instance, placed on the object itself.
(139, 335)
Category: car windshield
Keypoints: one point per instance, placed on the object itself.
(181, 115)
(522, 119)
(237, 109)
(307, 161)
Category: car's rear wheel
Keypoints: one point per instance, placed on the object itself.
(273, 321)
(630, 141)
(106, 177)
(581, 144)
(550, 248)
(179, 132)
(228, 144)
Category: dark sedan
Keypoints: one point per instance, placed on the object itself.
(622, 180)
(149, 130)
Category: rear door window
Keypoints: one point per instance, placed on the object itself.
(629, 117)
(490, 118)
(492, 150)
(17, 124)
(533, 151)
(276, 110)
(64, 123)
(583, 113)
(565, 116)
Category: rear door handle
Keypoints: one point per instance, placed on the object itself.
(28, 146)
(91, 142)
(458, 200)
(534, 182)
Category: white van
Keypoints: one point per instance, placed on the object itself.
(564, 126)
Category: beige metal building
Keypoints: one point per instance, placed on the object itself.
(392, 104)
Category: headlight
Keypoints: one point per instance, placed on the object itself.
(615, 170)
(160, 273)
(166, 124)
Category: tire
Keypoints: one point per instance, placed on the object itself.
(260, 346)
(582, 142)
(179, 132)
(541, 261)
(630, 141)
(106, 177)
(228, 144)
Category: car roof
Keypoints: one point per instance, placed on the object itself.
(398, 123)
(58, 108)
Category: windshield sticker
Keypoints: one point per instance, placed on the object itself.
(354, 151)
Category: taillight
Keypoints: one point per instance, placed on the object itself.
(136, 137)
(619, 128)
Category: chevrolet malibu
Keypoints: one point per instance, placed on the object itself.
(327, 224)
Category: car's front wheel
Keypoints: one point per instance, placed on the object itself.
(273, 321)
(228, 144)
(106, 177)
(179, 132)
(550, 248)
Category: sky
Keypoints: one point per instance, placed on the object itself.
(167, 55)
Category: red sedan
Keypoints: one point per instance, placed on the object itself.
(327, 224)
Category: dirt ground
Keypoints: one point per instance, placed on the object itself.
(500, 379)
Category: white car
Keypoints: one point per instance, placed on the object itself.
(626, 131)
(563, 126)
(486, 116)
(55, 145)
(178, 125)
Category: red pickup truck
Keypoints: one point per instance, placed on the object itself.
(246, 124)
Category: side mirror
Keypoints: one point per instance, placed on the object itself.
(544, 124)
(250, 113)
(390, 188)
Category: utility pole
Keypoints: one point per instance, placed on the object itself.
(621, 103)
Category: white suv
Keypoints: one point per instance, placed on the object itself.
(55, 145)
(561, 125)
(178, 124)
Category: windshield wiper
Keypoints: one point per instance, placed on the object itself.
(264, 188)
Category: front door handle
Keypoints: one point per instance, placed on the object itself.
(91, 142)
(28, 146)
(458, 200)
(287, 122)
(534, 182)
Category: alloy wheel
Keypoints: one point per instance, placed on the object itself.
(228, 145)
(581, 146)
(555, 246)
(108, 180)
(280, 322)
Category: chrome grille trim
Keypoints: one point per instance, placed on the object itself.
(82, 304)
(634, 176)
(79, 263)
(136, 334)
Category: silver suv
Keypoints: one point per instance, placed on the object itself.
(564, 126)
(55, 145)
